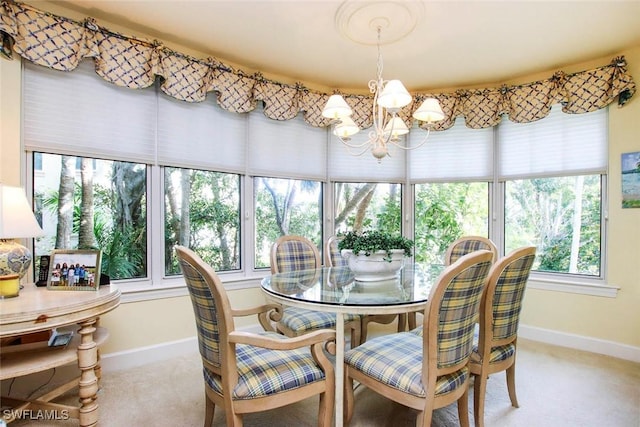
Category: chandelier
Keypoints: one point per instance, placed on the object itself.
(388, 128)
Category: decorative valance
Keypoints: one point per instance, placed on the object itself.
(61, 43)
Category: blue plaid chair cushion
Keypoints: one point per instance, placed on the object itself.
(396, 360)
(336, 257)
(294, 255)
(498, 353)
(262, 372)
(206, 314)
(507, 301)
(301, 320)
(417, 331)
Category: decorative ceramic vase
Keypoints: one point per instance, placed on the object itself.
(376, 266)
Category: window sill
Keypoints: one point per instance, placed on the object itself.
(135, 291)
(573, 287)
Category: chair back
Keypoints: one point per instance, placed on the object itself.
(452, 313)
(503, 297)
(333, 257)
(293, 253)
(211, 307)
(467, 244)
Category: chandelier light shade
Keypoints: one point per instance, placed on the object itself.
(430, 111)
(389, 97)
(394, 96)
(345, 128)
(16, 221)
(336, 108)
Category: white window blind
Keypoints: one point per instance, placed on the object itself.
(343, 166)
(559, 144)
(456, 154)
(200, 135)
(78, 113)
(287, 149)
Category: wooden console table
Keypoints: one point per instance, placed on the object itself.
(39, 309)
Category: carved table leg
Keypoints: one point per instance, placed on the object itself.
(88, 384)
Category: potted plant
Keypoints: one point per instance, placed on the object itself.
(374, 254)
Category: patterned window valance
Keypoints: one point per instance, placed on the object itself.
(61, 43)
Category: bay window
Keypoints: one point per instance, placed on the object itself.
(164, 172)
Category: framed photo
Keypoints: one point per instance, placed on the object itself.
(631, 180)
(74, 270)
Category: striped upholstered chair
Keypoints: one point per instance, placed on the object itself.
(246, 372)
(295, 253)
(333, 258)
(495, 347)
(428, 371)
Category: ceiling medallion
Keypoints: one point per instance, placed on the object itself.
(359, 21)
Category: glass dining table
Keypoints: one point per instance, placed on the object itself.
(335, 290)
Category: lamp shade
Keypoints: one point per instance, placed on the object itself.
(346, 128)
(394, 96)
(396, 127)
(16, 221)
(336, 108)
(429, 111)
(16, 217)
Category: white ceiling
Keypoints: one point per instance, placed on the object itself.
(453, 44)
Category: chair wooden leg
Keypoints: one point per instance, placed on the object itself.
(413, 323)
(511, 384)
(210, 409)
(234, 420)
(402, 322)
(424, 418)
(325, 416)
(463, 408)
(348, 399)
(356, 336)
(479, 390)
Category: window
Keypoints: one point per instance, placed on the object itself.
(553, 172)
(445, 212)
(80, 163)
(361, 206)
(157, 182)
(561, 216)
(285, 206)
(104, 209)
(202, 212)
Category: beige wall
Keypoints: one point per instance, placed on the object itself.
(147, 323)
(612, 319)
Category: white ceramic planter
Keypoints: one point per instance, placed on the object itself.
(374, 267)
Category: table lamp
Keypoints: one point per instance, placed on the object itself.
(16, 221)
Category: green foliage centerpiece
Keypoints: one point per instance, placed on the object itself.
(373, 254)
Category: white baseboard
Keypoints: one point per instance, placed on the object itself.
(580, 342)
(140, 356)
(143, 355)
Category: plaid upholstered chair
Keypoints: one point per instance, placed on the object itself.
(294, 253)
(246, 372)
(495, 348)
(460, 247)
(333, 258)
(467, 244)
(428, 371)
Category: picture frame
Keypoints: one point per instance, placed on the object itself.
(630, 180)
(74, 270)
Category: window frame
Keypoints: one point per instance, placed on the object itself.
(157, 284)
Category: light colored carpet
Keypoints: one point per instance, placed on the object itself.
(556, 387)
